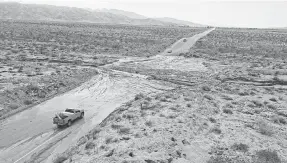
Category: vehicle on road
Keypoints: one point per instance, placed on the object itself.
(169, 51)
(67, 117)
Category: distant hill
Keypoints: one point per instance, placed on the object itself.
(180, 22)
(123, 13)
(164, 19)
(18, 11)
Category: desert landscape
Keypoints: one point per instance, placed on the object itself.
(233, 110)
(151, 93)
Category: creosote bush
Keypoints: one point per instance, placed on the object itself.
(124, 130)
(216, 130)
(211, 119)
(60, 158)
(28, 102)
(13, 106)
(240, 147)
(267, 156)
(149, 123)
(264, 128)
(90, 145)
(139, 96)
(227, 111)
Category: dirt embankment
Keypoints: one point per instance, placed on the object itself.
(26, 92)
(199, 124)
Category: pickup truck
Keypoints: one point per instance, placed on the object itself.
(67, 117)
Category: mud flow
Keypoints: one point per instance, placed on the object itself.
(30, 135)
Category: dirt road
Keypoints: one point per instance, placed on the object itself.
(30, 136)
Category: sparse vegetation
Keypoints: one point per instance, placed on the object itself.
(264, 128)
(216, 130)
(227, 111)
(139, 96)
(90, 145)
(188, 114)
(28, 102)
(124, 130)
(267, 156)
(149, 123)
(240, 147)
(211, 119)
(60, 158)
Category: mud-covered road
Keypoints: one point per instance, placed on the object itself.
(30, 135)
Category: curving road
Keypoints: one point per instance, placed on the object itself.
(30, 135)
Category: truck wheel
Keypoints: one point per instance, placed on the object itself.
(82, 115)
(69, 123)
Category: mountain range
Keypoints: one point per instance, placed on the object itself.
(19, 11)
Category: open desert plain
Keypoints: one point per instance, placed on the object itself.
(150, 93)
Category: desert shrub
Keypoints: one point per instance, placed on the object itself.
(267, 156)
(172, 116)
(163, 99)
(128, 104)
(143, 113)
(257, 103)
(227, 111)
(173, 108)
(220, 159)
(95, 133)
(206, 88)
(209, 97)
(213, 120)
(13, 106)
(115, 126)
(216, 130)
(146, 105)
(139, 96)
(129, 116)
(108, 140)
(225, 97)
(187, 99)
(149, 123)
(271, 106)
(60, 158)
(32, 87)
(124, 130)
(240, 147)
(282, 120)
(28, 102)
(264, 128)
(90, 145)
(273, 99)
(243, 93)
(188, 105)
(148, 99)
(229, 105)
(278, 120)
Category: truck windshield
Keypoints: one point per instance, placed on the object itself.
(69, 110)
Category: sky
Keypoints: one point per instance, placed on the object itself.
(253, 14)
